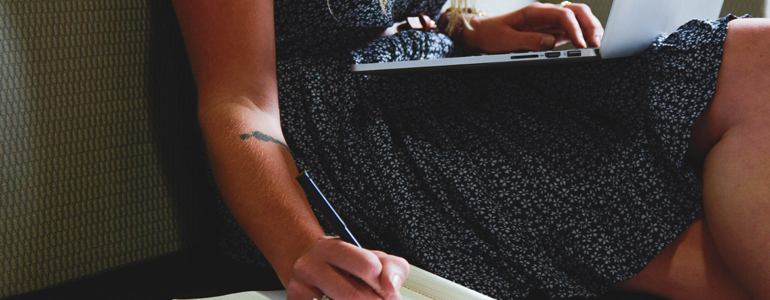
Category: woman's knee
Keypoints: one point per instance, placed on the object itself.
(749, 36)
(743, 84)
(742, 95)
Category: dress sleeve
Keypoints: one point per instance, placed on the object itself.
(406, 45)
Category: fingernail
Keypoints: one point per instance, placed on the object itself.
(548, 42)
(396, 281)
(583, 41)
(598, 39)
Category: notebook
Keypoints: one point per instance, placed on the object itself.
(631, 28)
(419, 285)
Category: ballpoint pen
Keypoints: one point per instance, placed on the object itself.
(317, 199)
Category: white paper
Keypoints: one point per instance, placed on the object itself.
(419, 285)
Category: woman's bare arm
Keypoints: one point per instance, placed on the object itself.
(231, 45)
(232, 51)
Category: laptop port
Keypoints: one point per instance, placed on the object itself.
(524, 56)
(552, 54)
(573, 53)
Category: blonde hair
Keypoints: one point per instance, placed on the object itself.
(460, 10)
(384, 5)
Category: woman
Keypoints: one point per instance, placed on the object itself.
(493, 179)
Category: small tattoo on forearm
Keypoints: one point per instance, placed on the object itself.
(263, 137)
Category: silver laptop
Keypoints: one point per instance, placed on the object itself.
(631, 28)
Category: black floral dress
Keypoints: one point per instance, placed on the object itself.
(564, 179)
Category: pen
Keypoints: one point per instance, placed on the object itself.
(318, 200)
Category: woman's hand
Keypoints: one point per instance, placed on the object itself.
(539, 26)
(343, 271)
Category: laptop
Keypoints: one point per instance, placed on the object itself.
(632, 26)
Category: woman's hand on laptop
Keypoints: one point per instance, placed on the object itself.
(539, 26)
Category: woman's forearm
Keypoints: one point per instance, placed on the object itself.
(231, 45)
(255, 173)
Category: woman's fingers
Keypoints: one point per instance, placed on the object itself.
(360, 263)
(382, 272)
(590, 25)
(531, 41)
(540, 16)
(313, 273)
(299, 291)
(343, 271)
(394, 270)
(330, 282)
(538, 26)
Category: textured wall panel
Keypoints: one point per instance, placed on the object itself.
(755, 8)
(98, 140)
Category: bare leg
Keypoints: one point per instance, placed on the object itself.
(736, 171)
(732, 142)
(688, 268)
